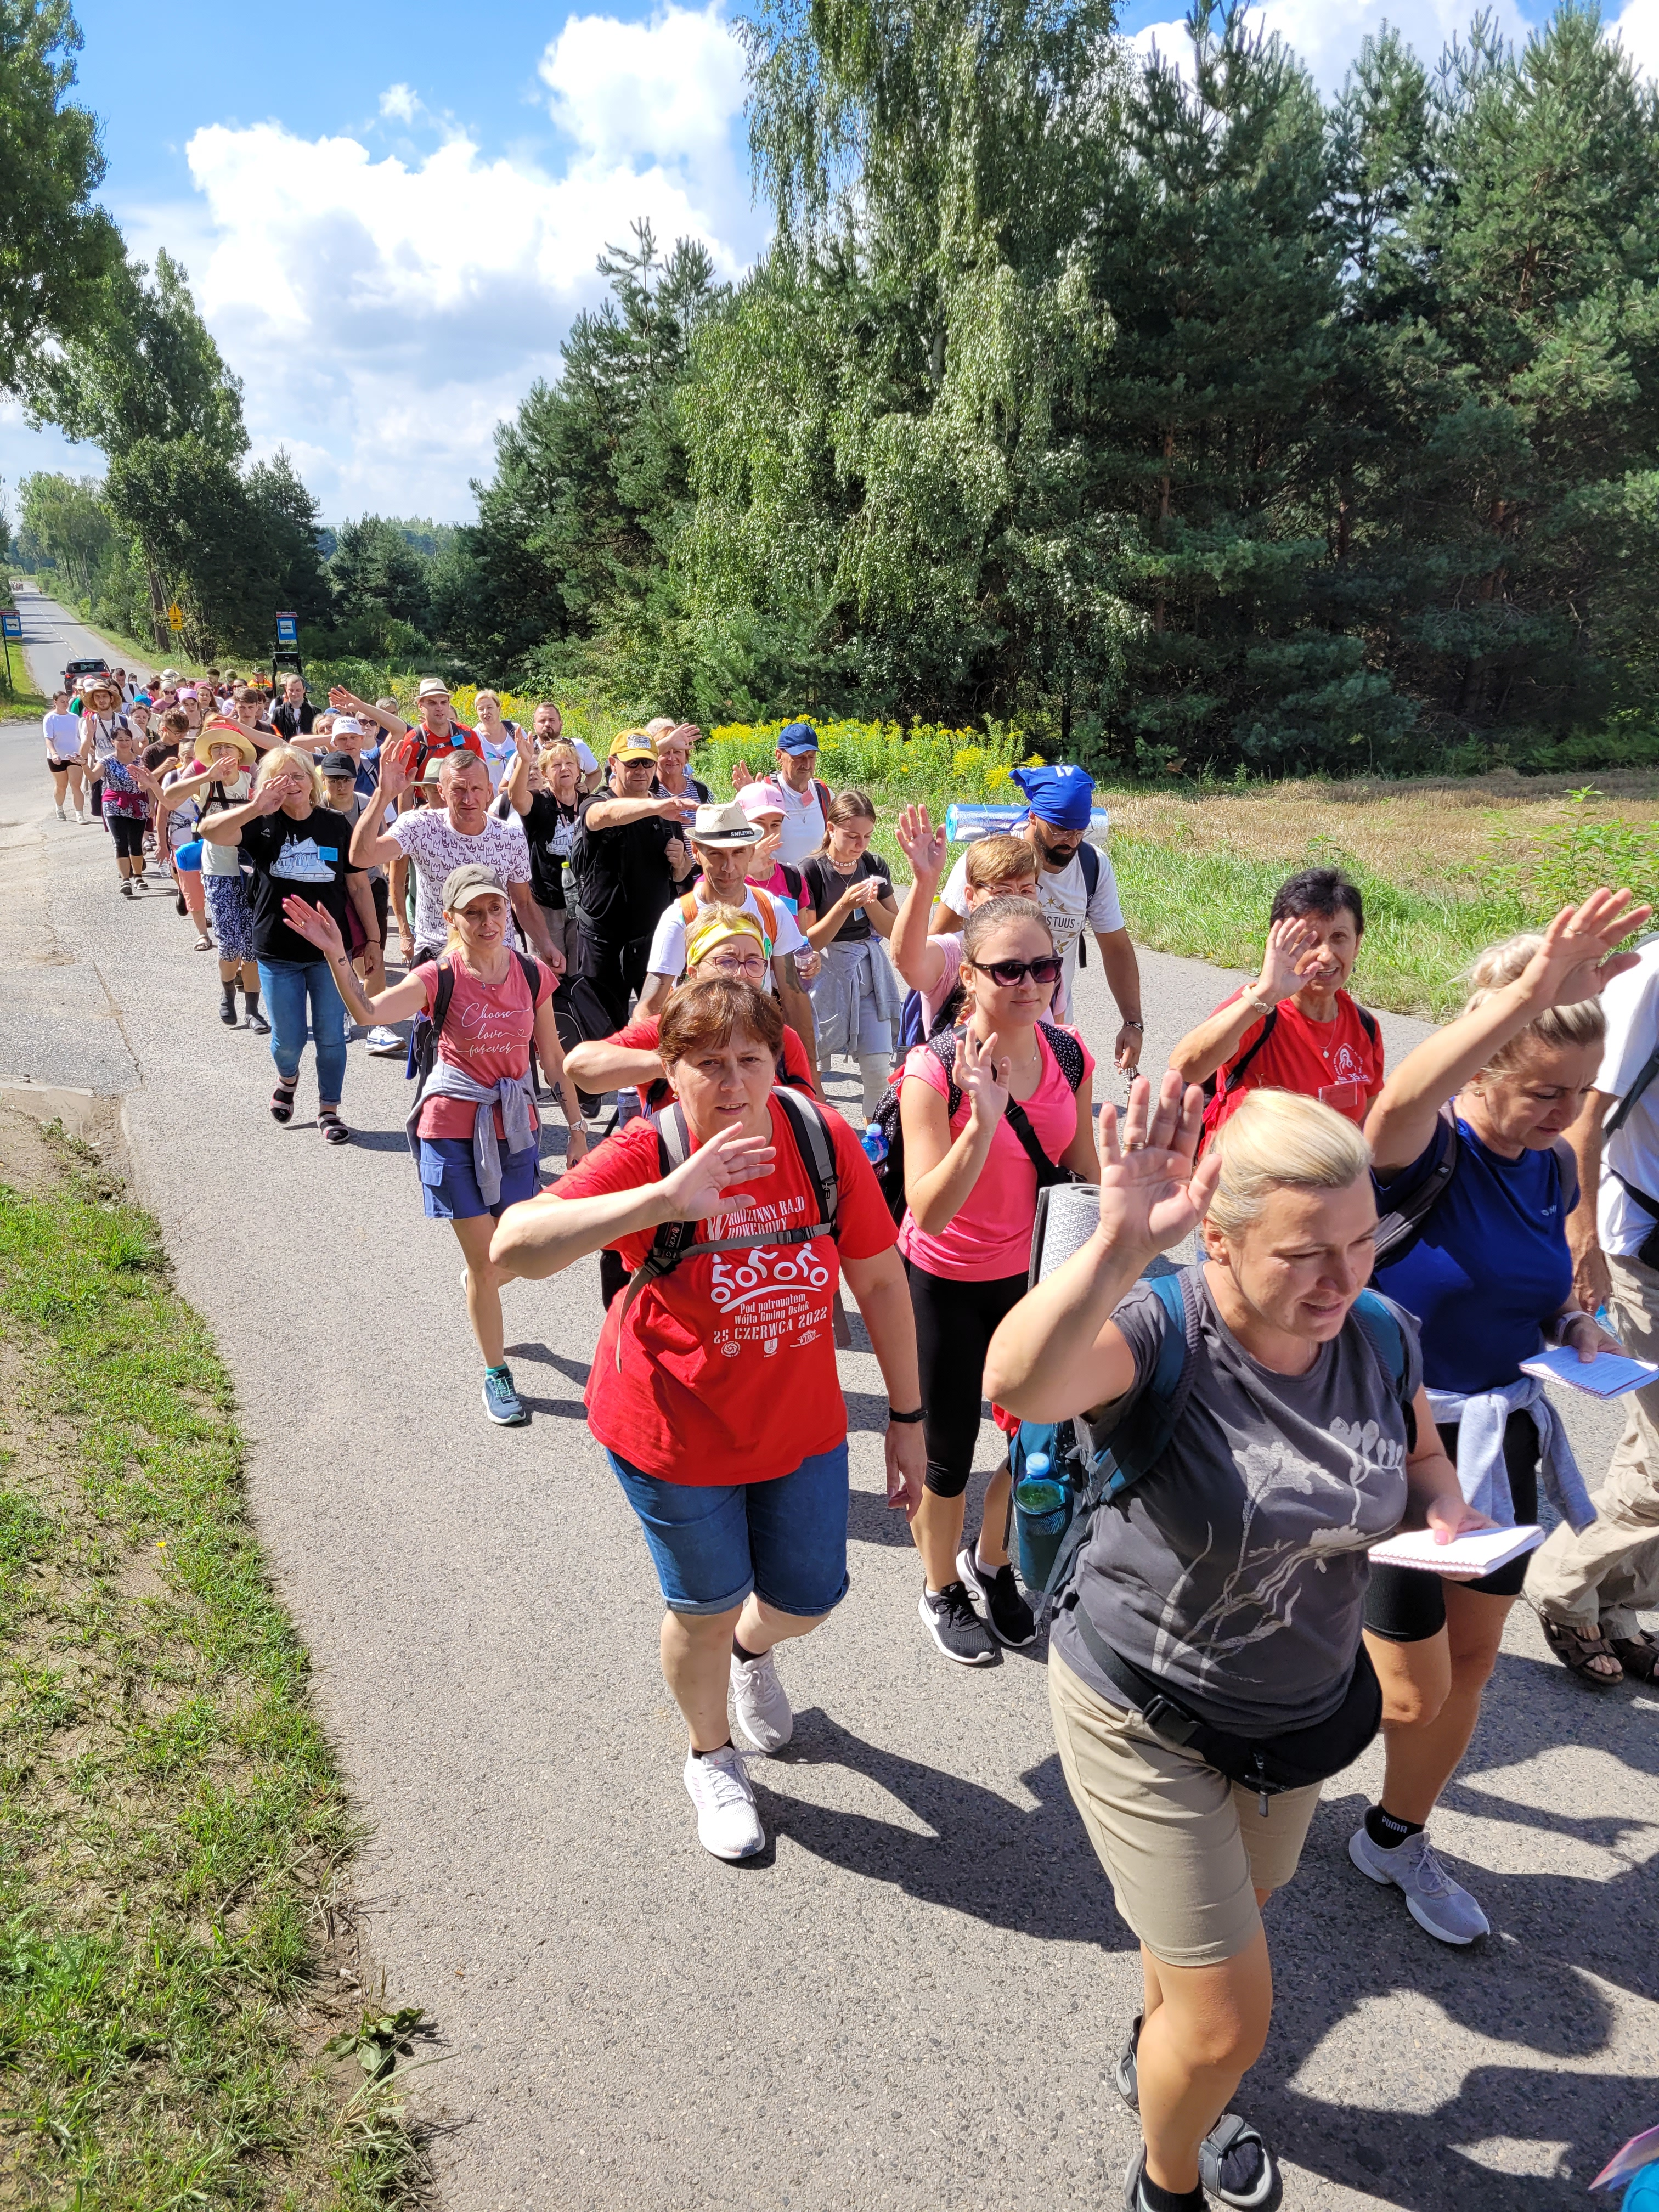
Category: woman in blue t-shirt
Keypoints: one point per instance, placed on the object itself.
(1490, 1277)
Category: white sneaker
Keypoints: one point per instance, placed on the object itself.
(83, 819)
(763, 1711)
(727, 1822)
(60, 814)
(383, 1042)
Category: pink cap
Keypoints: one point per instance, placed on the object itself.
(760, 797)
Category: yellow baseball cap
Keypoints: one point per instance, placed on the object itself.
(632, 746)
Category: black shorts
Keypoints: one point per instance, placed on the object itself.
(128, 831)
(1406, 1605)
(381, 896)
(60, 767)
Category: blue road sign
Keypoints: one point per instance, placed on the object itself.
(11, 622)
(287, 629)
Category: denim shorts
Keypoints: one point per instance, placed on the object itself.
(712, 1543)
(449, 1183)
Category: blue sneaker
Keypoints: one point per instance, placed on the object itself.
(501, 1402)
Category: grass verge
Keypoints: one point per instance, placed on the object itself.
(171, 1823)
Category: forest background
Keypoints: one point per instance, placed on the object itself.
(1155, 409)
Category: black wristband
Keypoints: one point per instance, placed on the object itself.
(921, 1415)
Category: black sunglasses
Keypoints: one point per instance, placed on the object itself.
(1047, 969)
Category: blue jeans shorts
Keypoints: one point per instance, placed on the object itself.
(712, 1543)
(449, 1183)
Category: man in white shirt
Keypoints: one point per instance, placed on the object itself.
(1594, 1585)
(803, 798)
(1076, 890)
(720, 839)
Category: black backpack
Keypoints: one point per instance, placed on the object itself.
(890, 1174)
(676, 1240)
(1215, 1087)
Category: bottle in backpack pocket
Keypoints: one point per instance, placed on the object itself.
(874, 1143)
(962, 824)
(1043, 1506)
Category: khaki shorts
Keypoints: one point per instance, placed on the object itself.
(1186, 1849)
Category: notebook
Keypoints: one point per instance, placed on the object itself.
(1481, 1552)
(1609, 1375)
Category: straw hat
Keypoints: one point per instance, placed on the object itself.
(218, 731)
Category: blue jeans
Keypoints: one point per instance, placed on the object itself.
(712, 1543)
(287, 985)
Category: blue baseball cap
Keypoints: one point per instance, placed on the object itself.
(797, 737)
(1064, 798)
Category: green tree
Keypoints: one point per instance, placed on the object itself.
(55, 247)
(64, 524)
(377, 578)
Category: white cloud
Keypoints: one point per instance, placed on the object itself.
(1325, 34)
(1637, 29)
(387, 311)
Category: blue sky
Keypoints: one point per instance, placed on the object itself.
(389, 213)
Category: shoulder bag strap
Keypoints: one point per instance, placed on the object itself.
(1621, 1113)
(818, 1150)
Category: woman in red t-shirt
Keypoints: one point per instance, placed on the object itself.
(479, 1094)
(714, 1389)
(971, 1188)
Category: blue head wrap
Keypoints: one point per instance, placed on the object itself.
(1064, 798)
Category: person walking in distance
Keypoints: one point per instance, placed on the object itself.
(978, 1109)
(100, 718)
(802, 797)
(855, 1001)
(474, 1128)
(222, 780)
(62, 732)
(628, 848)
(726, 1426)
(1295, 1028)
(295, 717)
(1489, 1274)
(1076, 889)
(545, 791)
(1205, 1669)
(1590, 1584)
(129, 790)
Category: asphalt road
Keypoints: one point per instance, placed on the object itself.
(913, 1998)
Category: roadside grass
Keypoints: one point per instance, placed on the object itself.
(173, 1826)
(1447, 864)
(21, 704)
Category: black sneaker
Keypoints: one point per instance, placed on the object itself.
(997, 1597)
(957, 1630)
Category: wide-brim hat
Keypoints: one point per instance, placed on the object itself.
(725, 826)
(221, 732)
(431, 687)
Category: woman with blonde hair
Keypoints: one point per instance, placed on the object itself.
(1266, 1417)
(292, 840)
(545, 789)
(1483, 1108)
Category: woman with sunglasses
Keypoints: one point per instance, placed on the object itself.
(970, 1188)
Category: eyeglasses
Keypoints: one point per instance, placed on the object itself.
(737, 964)
(1046, 968)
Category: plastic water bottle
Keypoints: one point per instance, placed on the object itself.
(1042, 1512)
(962, 824)
(874, 1143)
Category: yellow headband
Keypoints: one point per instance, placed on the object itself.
(719, 929)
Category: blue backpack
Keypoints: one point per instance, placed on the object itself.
(1100, 1476)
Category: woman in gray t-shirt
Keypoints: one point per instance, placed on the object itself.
(1233, 1573)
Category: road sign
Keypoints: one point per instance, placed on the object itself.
(287, 629)
(11, 622)
(175, 616)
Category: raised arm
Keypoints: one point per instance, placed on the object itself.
(348, 702)
(547, 1234)
(370, 845)
(1575, 960)
(318, 928)
(600, 1064)
(919, 961)
(516, 782)
(1059, 1352)
(1204, 1049)
(618, 813)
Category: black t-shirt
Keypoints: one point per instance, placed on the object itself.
(305, 859)
(825, 884)
(294, 721)
(624, 878)
(551, 829)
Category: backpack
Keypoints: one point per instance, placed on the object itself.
(426, 1029)
(691, 905)
(1400, 1230)
(676, 1240)
(913, 1029)
(1101, 1475)
(890, 1174)
(1088, 859)
(1225, 1081)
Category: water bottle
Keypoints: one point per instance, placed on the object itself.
(874, 1143)
(962, 824)
(1042, 1512)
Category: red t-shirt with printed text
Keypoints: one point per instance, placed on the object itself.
(727, 1371)
(1334, 1061)
(486, 1031)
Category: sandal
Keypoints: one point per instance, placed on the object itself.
(281, 1101)
(334, 1130)
(1255, 2184)
(1638, 1655)
(1575, 1648)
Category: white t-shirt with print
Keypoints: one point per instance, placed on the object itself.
(667, 955)
(1631, 1002)
(802, 832)
(436, 846)
(1066, 907)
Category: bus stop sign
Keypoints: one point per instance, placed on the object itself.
(287, 629)
(11, 622)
